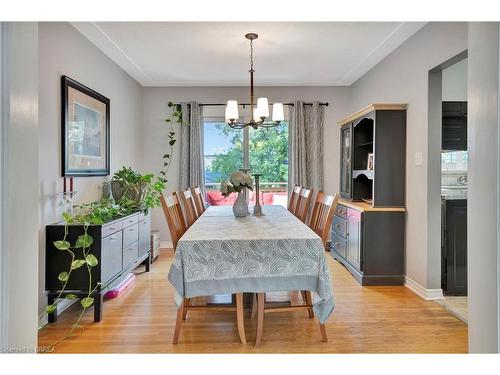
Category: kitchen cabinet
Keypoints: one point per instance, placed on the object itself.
(454, 252)
(454, 126)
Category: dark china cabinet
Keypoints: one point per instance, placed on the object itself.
(368, 225)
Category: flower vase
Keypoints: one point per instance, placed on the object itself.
(240, 206)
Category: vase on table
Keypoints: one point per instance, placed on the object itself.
(240, 206)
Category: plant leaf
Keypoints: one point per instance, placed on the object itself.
(77, 264)
(62, 245)
(84, 240)
(87, 302)
(91, 260)
(70, 296)
(51, 308)
(63, 276)
(172, 142)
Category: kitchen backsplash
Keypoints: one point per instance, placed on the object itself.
(454, 168)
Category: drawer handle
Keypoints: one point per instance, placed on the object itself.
(337, 226)
(111, 228)
(112, 238)
(131, 229)
(337, 244)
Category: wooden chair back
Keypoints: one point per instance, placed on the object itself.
(294, 197)
(322, 215)
(303, 204)
(199, 201)
(175, 218)
(187, 200)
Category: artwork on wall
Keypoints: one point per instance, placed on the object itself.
(85, 130)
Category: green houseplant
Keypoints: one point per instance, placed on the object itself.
(132, 192)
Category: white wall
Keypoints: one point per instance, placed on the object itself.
(483, 187)
(64, 51)
(402, 77)
(19, 186)
(155, 131)
(455, 82)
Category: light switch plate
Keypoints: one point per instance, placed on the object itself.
(418, 158)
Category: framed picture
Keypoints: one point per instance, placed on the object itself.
(85, 130)
(369, 164)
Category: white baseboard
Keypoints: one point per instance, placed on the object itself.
(419, 290)
(166, 245)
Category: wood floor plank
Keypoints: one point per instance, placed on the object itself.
(365, 320)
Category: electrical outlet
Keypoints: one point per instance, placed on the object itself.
(419, 158)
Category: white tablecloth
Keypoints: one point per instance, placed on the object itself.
(222, 254)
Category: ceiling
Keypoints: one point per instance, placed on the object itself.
(217, 54)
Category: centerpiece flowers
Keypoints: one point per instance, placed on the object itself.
(238, 181)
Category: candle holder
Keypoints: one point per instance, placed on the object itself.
(67, 201)
(257, 210)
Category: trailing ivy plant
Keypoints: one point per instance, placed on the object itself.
(98, 213)
(175, 117)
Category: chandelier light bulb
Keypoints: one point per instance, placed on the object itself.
(278, 113)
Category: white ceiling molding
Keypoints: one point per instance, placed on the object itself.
(216, 53)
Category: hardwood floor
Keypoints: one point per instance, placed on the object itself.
(365, 320)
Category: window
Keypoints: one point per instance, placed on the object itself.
(264, 151)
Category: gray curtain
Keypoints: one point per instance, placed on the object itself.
(191, 140)
(305, 166)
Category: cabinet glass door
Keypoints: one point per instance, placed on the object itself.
(345, 161)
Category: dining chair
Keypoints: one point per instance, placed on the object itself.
(187, 200)
(303, 203)
(175, 218)
(199, 201)
(322, 214)
(294, 197)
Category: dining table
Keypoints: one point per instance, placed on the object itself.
(274, 252)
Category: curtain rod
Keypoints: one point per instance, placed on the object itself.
(247, 104)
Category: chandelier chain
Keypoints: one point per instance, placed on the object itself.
(251, 55)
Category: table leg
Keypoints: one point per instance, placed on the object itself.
(254, 306)
(178, 322)
(240, 317)
(322, 329)
(260, 317)
(187, 302)
(309, 301)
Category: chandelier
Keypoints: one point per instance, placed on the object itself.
(258, 113)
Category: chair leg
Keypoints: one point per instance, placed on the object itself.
(260, 318)
(254, 306)
(240, 318)
(309, 301)
(187, 302)
(322, 330)
(178, 322)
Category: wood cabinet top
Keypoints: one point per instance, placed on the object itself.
(371, 108)
(365, 207)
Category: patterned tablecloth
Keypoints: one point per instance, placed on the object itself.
(222, 254)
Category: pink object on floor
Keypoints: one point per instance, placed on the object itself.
(120, 288)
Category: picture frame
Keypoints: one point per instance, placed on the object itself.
(369, 164)
(85, 130)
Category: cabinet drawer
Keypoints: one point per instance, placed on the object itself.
(130, 235)
(130, 254)
(131, 220)
(111, 256)
(111, 228)
(339, 226)
(145, 234)
(339, 245)
(341, 211)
